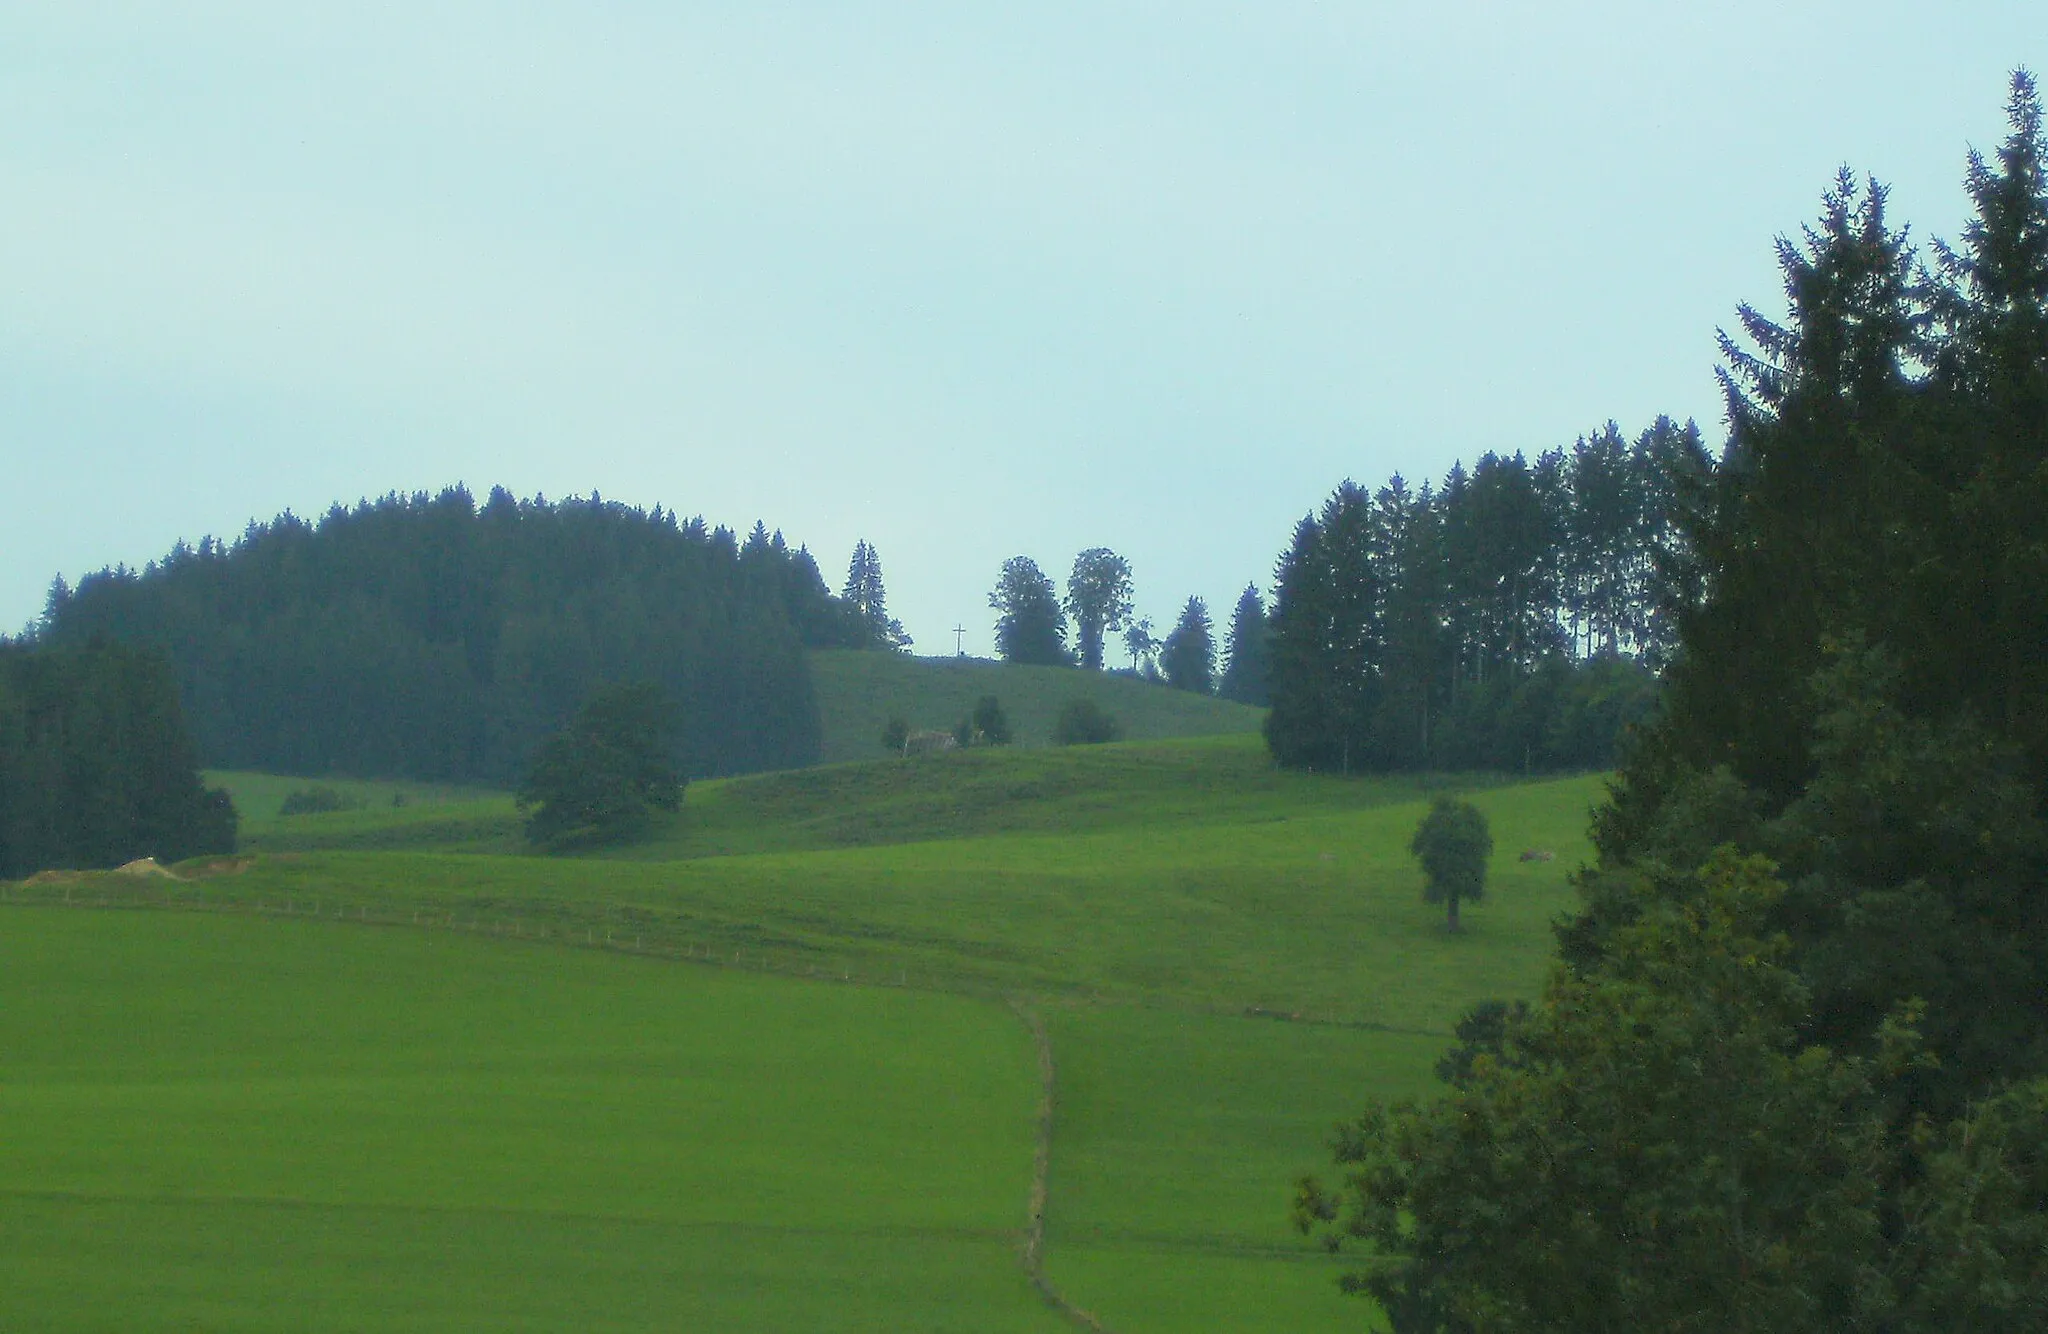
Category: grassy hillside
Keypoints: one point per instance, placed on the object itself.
(1229, 958)
(381, 814)
(859, 692)
(260, 1124)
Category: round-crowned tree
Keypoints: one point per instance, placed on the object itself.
(601, 778)
(1453, 844)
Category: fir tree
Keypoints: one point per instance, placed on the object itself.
(1244, 676)
(1188, 656)
(867, 602)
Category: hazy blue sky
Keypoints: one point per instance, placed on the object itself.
(965, 280)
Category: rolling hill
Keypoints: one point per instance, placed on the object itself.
(1225, 958)
(859, 692)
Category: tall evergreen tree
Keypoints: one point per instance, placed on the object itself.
(867, 602)
(1189, 655)
(1416, 583)
(1987, 580)
(1030, 628)
(1327, 640)
(1605, 514)
(1244, 675)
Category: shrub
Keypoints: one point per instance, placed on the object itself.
(317, 800)
(896, 736)
(991, 726)
(1082, 722)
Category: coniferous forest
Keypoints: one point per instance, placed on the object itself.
(1791, 1071)
(96, 766)
(1513, 619)
(431, 638)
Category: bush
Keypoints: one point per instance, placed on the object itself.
(1082, 722)
(991, 724)
(317, 801)
(986, 726)
(896, 736)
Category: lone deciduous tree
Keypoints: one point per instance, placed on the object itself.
(1453, 844)
(1032, 628)
(1099, 600)
(602, 778)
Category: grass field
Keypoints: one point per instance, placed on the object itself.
(273, 1124)
(859, 692)
(1228, 959)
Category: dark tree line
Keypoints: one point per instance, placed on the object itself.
(1513, 618)
(96, 767)
(428, 637)
(1791, 1070)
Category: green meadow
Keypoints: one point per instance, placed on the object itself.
(763, 1071)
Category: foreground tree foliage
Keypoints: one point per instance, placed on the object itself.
(1791, 1071)
(96, 766)
(603, 778)
(1651, 1147)
(426, 637)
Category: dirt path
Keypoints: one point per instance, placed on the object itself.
(1041, 1167)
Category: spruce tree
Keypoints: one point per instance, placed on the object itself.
(867, 602)
(1189, 655)
(1244, 676)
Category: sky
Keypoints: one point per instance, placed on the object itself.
(965, 281)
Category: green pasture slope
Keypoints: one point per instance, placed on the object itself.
(859, 692)
(1227, 959)
(383, 814)
(271, 1123)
